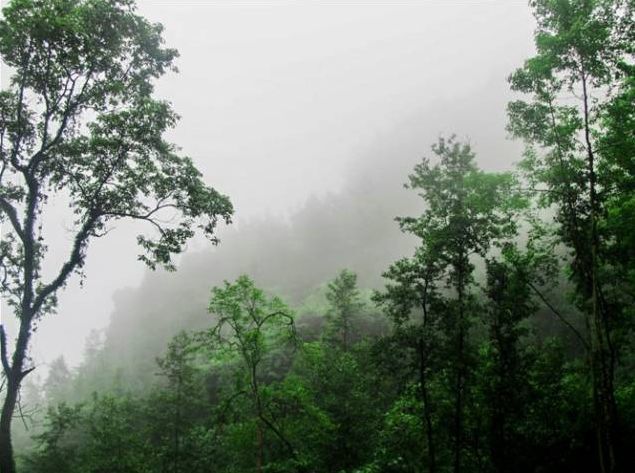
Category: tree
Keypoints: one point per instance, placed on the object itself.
(107, 433)
(176, 367)
(251, 325)
(412, 287)
(467, 212)
(583, 52)
(332, 401)
(56, 447)
(79, 124)
(56, 386)
(336, 372)
(505, 372)
(344, 301)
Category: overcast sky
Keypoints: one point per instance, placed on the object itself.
(279, 99)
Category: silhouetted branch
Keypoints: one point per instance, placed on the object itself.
(560, 316)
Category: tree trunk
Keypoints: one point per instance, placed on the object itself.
(602, 353)
(460, 366)
(15, 373)
(427, 411)
(259, 460)
(7, 463)
(458, 404)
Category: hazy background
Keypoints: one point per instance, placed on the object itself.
(309, 115)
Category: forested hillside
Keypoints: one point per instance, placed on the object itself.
(468, 321)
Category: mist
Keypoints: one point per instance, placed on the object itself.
(310, 117)
(301, 236)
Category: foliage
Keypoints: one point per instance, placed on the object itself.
(471, 375)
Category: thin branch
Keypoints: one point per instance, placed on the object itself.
(18, 139)
(71, 264)
(12, 213)
(278, 434)
(26, 372)
(71, 107)
(147, 217)
(21, 412)
(559, 315)
(274, 314)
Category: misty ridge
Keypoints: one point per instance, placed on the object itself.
(354, 88)
(373, 262)
(293, 257)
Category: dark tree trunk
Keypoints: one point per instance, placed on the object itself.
(602, 352)
(427, 411)
(14, 373)
(460, 367)
(7, 464)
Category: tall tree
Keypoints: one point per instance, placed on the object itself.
(413, 286)
(178, 370)
(509, 304)
(57, 382)
(583, 51)
(467, 211)
(79, 124)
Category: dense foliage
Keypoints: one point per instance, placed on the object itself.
(504, 343)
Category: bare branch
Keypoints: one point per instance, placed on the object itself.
(275, 314)
(26, 372)
(147, 217)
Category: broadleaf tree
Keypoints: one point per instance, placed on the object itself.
(79, 124)
(468, 211)
(250, 325)
(576, 123)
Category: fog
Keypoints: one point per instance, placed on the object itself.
(309, 116)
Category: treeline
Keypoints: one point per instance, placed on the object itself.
(461, 373)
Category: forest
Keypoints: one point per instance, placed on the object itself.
(503, 342)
